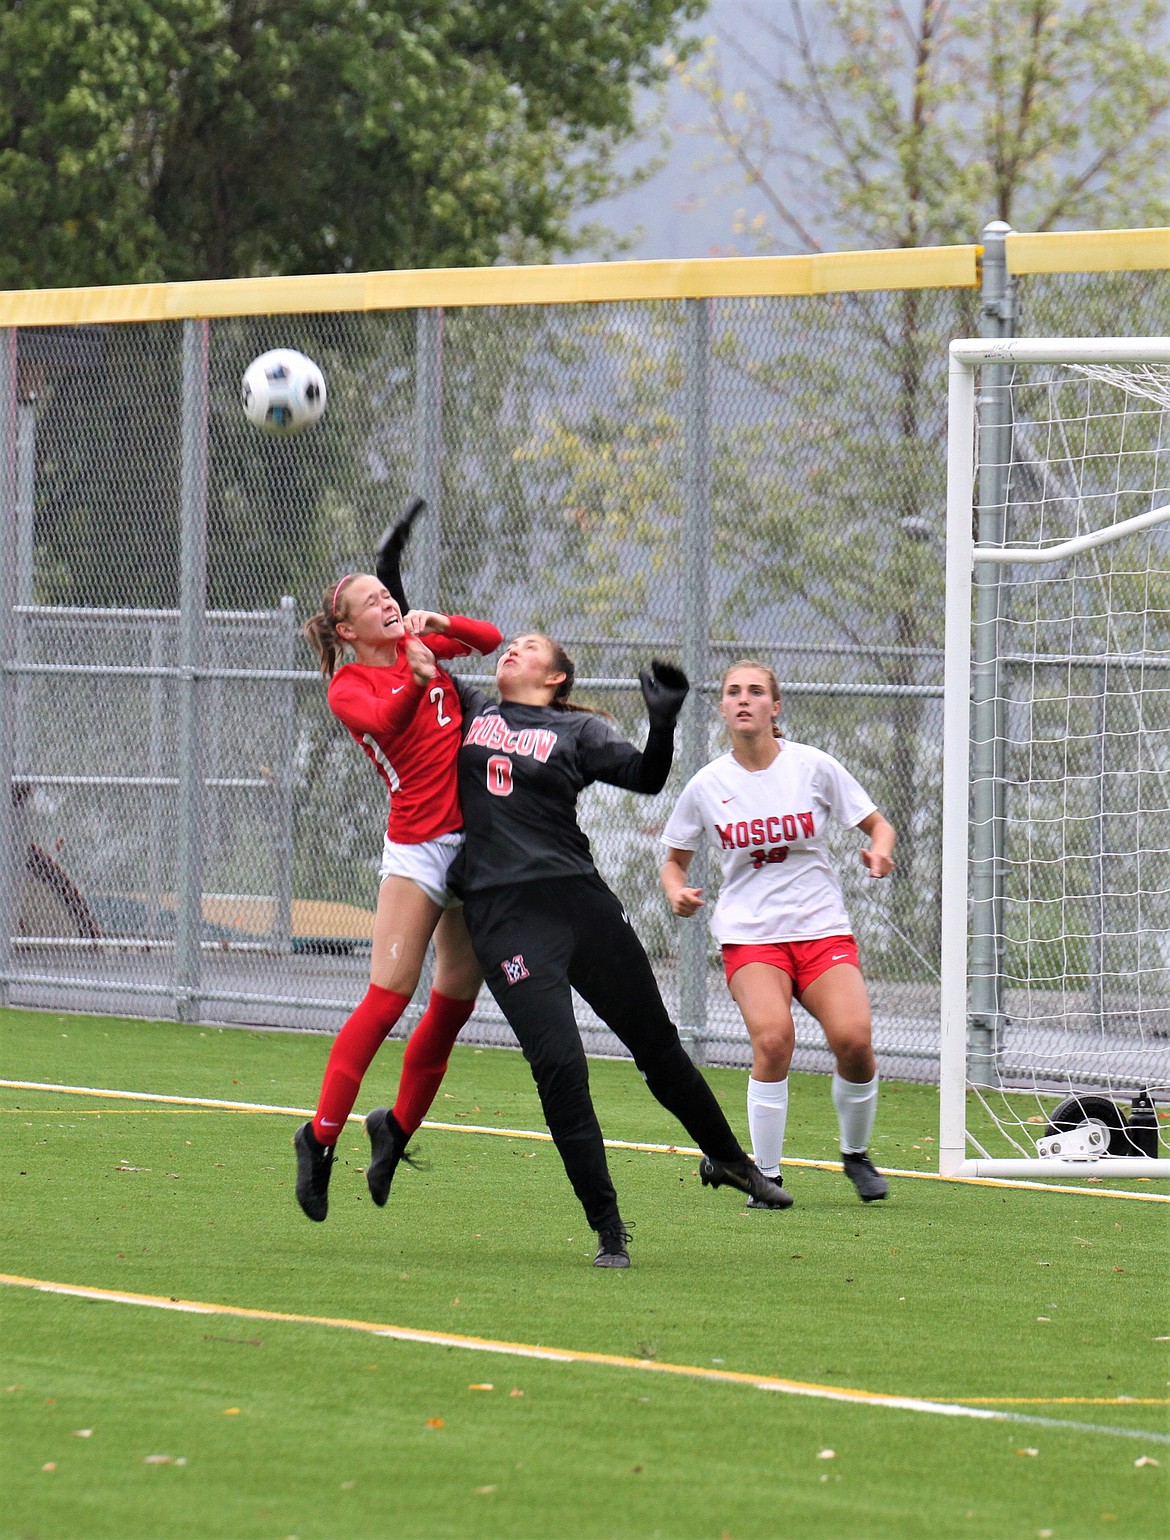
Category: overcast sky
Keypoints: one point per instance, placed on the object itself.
(688, 209)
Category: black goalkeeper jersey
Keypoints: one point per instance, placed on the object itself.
(521, 770)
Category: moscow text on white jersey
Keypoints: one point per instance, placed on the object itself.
(769, 828)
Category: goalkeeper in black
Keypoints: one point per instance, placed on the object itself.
(542, 922)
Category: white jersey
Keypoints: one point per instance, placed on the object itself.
(769, 828)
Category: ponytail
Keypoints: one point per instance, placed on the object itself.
(321, 630)
(563, 664)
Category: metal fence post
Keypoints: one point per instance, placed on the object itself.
(426, 542)
(987, 1019)
(696, 646)
(26, 493)
(9, 869)
(1097, 874)
(157, 737)
(192, 615)
(283, 771)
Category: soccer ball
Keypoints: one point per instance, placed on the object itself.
(283, 392)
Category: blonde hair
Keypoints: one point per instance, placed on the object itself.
(769, 675)
(321, 629)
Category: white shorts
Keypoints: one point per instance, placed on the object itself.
(425, 865)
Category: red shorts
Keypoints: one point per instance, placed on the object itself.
(803, 961)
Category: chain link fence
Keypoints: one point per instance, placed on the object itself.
(194, 836)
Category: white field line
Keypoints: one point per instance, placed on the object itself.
(572, 1356)
(532, 1133)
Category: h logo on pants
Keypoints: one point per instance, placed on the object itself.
(514, 969)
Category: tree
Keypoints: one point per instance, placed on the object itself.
(191, 139)
(89, 90)
(894, 125)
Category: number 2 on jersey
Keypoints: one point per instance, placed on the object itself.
(436, 695)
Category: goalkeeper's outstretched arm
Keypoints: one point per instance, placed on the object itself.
(388, 557)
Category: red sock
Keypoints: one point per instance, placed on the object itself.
(350, 1057)
(425, 1061)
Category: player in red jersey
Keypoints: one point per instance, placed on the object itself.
(401, 707)
(780, 918)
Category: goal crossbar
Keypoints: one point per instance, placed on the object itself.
(970, 353)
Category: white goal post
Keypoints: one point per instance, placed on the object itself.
(1055, 901)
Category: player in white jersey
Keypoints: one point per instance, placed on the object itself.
(780, 917)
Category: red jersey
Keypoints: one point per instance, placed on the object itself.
(411, 731)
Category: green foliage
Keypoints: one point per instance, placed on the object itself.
(224, 138)
(91, 93)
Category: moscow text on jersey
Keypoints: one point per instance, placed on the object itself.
(521, 770)
(769, 831)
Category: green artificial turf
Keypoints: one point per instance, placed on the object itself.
(1049, 1306)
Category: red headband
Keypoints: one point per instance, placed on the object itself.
(337, 587)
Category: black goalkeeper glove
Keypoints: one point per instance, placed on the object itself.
(388, 557)
(664, 688)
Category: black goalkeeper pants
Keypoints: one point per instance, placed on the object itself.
(536, 941)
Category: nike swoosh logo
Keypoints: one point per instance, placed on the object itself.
(726, 800)
(838, 957)
(397, 689)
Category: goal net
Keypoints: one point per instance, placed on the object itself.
(1055, 1051)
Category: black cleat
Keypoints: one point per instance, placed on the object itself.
(387, 1148)
(314, 1168)
(766, 1191)
(865, 1176)
(612, 1247)
(769, 1200)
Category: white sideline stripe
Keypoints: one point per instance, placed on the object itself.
(573, 1356)
(533, 1133)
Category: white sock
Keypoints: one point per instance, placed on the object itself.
(767, 1114)
(856, 1108)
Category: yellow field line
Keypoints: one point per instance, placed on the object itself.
(566, 1356)
(531, 1133)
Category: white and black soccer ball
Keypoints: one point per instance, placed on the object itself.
(283, 392)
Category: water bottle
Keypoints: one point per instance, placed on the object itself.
(1143, 1126)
